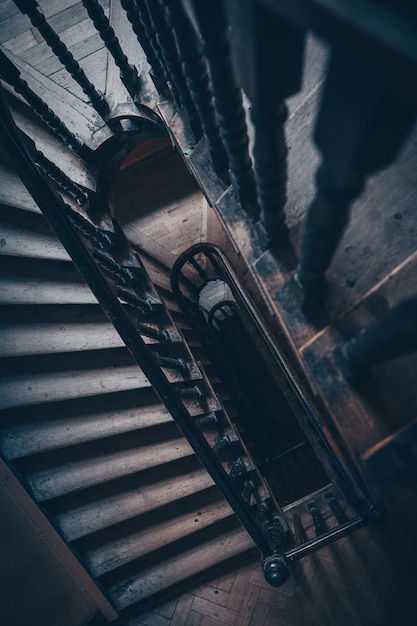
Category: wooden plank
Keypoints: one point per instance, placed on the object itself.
(183, 567)
(71, 477)
(389, 398)
(102, 513)
(51, 146)
(94, 65)
(18, 242)
(13, 192)
(135, 545)
(24, 440)
(25, 291)
(61, 386)
(149, 246)
(32, 339)
(116, 92)
(58, 546)
(391, 464)
(15, 24)
(79, 117)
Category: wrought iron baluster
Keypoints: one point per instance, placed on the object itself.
(128, 73)
(11, 75)
(198, 81)
(166, 42)
(157, 71)
(30, 8)
(213, 27)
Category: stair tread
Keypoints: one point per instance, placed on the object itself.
(17, 290)
(59, 386)
(24, 243)
(13, 192)
(32, 339)
(71, 477)
(180, 568)
(116, 553)
(20, 441)
(94, 516)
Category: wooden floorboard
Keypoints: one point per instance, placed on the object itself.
(350, 583)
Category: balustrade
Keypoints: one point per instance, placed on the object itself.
(30, 7)
(128, 73)
(166, 42)
(11, 75)
(214, 29)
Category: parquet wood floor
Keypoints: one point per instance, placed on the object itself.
(352, 583)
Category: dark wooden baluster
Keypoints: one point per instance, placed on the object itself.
(11, 75)
(336, 508)
(157, 71)
(54, 172)
(198, 81)
(30, 8)
(145, 19)
(169, 52)
(387, 338)
(360, 128)
(211, 20)
(128, 73)
(318, 521)
(275, 567)
(268, 53)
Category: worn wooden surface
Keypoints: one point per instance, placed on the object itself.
(358, 582)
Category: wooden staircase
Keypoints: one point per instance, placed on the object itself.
(86, 434)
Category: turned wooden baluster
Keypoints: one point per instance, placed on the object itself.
(128, 73)
(360, 128)
(211, 20)
(145, 20)
(166, 41)
(157, 71)
(30, 8)
(11, 75)
(198, 81)
(268, 53)
(391, 336)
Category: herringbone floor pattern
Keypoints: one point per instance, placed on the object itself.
(352, 583)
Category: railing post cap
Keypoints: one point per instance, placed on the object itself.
(275, 569)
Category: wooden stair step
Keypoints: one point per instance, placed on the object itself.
(108, 511)
(24, 243)
(29, 439)
(181, 568)
(32, 339)
(52, 387)
(24, 291)
(57, 481)
(191, 517)
(13, 192)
